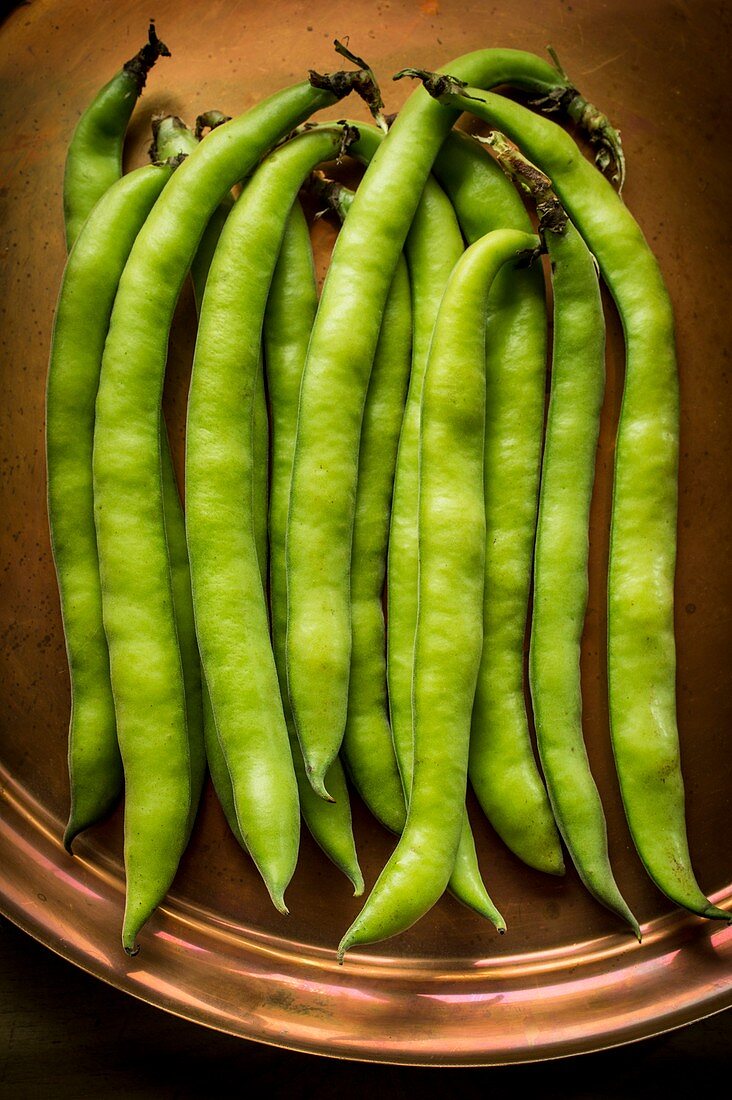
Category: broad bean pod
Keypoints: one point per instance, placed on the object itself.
(93, 165)
(368, 750)
(503, 771)
(334, 387)
(379, 757)
(449, 629)
(641, 646)
(562, 535)
(433, 246)
(82, 316)
(288, 319)
(171, 137)
(138, 613)
(229, 600)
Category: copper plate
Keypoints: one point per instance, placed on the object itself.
(566, 978)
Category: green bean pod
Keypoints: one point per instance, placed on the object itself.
(379, 765)
(229, 600)
(641, 649)
(560, 563)
(562, 535)
(94, 158)
(95, 767)
(503, 771)
(368, 750)
(80, 327)
(139, 619)
(449, 630)
(433, 247)
(367, 744)
(339, 362)
(288, 319)
(180, 579)
(171, 137)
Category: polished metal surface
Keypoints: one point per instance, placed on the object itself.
(566, 978)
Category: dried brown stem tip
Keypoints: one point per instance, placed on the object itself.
(362, 82)
(141, 64)
(368, 88)
(336, 197)
(436, 84)
(552, 218)
(595, 125)
(350, 135)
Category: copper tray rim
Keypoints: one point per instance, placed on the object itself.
(673, 932)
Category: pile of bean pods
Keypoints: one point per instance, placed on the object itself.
(403, 454)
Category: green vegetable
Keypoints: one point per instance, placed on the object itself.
(641, 650)
(94, 158)
(288, 320)
(80, 328)
(334, 388)
(503, 772)
(449, 629)
(145, 657)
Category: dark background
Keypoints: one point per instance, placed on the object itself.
(67, 1035)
